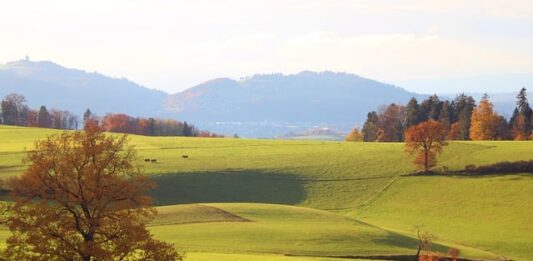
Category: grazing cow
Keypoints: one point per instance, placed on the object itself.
(146, 160)
(153, 161)
(185, 156)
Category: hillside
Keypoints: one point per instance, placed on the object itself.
(275, 104)
(259, 106)
(50, 84)
(349, 183)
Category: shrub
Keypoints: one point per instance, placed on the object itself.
(429, 257)
(470, 168)
(502, 167)
(454, 253)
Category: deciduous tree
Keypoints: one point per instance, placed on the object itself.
(391, 123)
(354, 135)
(82, 198)
(484, 122)
(425, 140)
(425, 240)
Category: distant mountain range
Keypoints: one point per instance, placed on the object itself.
(46, 83)
(268, 105)
(258, 106)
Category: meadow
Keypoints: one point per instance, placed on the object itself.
(240, 199)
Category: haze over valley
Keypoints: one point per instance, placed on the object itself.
(262, 105)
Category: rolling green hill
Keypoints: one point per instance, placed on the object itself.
(351, 197)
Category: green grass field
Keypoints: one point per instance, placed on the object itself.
(263, 199)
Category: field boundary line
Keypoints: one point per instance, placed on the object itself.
(379, 193)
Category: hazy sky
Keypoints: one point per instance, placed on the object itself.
(173, 45)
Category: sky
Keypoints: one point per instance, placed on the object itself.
(174, 45)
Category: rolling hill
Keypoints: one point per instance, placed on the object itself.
(261, 199)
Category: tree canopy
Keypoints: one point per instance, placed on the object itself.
(425, 140)
(83, 195)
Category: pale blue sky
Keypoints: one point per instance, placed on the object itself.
(172, 45)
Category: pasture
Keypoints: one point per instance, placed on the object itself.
(238, 199)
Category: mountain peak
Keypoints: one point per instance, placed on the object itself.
(304, 100)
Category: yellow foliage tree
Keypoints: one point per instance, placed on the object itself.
(484, 123)
(354, 135)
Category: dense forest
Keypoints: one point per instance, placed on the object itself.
(462, 117)
(15, 111)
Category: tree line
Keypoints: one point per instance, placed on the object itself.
(462, 119)
(15, 111)
(123, 123)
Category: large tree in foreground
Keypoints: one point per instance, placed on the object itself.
(82, 198)
(425, 140)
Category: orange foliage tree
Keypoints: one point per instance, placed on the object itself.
(354, 135)
(82, 198)
(484, 123)
(454, 132)
(519, 128)
(426, 141)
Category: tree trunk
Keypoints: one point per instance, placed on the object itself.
(426, 168)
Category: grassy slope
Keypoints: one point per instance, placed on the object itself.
(283, 230)
(492, 213)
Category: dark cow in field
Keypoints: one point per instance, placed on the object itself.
(185, 156)
(146, 160)
(153, 160)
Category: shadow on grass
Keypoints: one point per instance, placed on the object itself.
(253, 186)
(404, 241)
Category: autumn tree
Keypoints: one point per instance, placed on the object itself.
(453, 133)
(425, 240)
(31, 118)
(484, 122)
(82, 198)
(391, 122)
(354, 135)
(425, 140)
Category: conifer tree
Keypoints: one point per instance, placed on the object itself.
(370, 128)
(43, 118)
(412, 111)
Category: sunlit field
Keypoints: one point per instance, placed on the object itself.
(269, 199)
